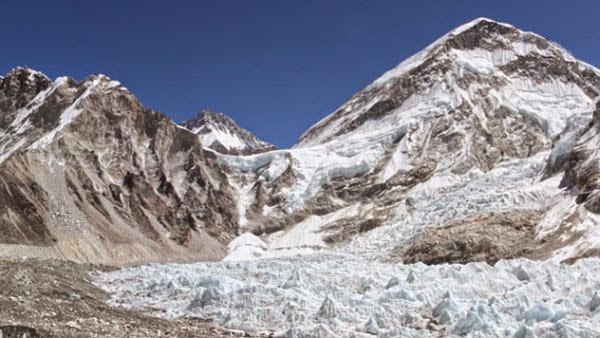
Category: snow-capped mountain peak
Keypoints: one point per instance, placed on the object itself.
(26, 72)
(480, 33)
(221, 133)
(450, 136)
(481, 51)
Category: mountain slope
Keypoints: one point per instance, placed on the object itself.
(219, 132)
(89, 174)
(451, 138)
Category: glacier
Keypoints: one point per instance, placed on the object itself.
(333, 295)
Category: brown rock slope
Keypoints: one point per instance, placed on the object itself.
(87, 173)
(56, 299)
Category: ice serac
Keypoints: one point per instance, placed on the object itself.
(576, 157)
(219, 132)
(454, 140)
(87, 173)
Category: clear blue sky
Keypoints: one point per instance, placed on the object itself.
(277, 66)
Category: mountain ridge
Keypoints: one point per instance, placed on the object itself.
(484, 102)
(93, 172)
(221, 133)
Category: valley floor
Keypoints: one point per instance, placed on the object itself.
(55, 299)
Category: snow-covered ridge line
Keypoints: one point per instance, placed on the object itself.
(517, 49)
(71, 112)
(408, 64)
(21, 128)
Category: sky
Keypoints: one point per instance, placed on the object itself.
(277, 67)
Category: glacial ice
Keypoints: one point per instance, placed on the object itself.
(335, 295)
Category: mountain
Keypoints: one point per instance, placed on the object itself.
(90, 174)
(479, 147)
(441, 159)
(220, 133)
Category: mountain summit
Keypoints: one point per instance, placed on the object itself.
(90, 174)
(220, 132)
(481, 50)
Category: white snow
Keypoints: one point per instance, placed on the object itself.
(306, 235)
(245, 198)
(417, 59)
(32, 73)
(551, 103)
(566, 212)
(313, 167)
(245, 247)
(248, 163)
(20, 124)
(482, 61)
(5, 153)
(317, 166)
(222, 137)
(399, 161)
(217, 130)
(71, 112)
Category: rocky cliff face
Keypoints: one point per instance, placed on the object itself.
(220, 133)
(89, 174)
